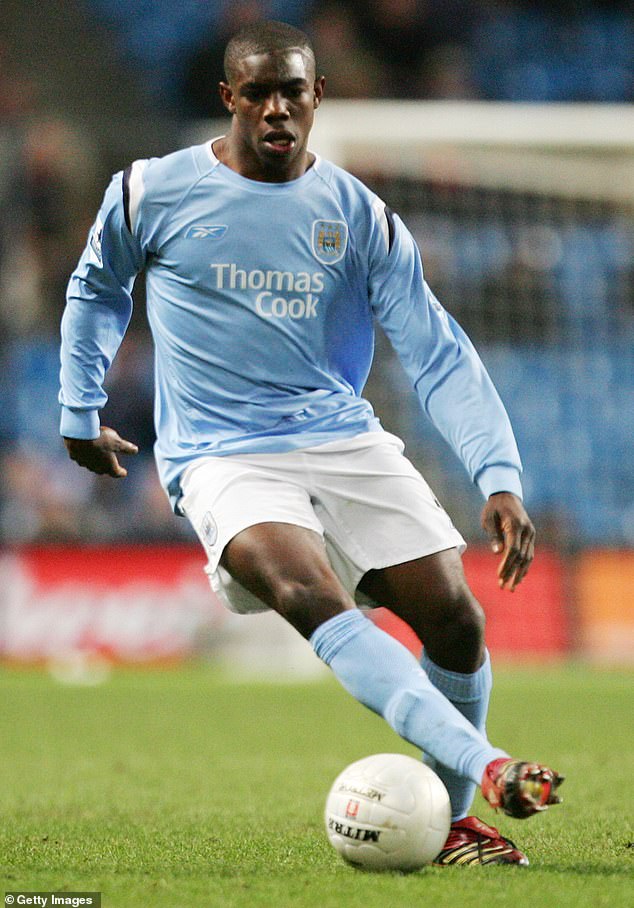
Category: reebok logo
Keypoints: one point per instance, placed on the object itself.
(205, 231)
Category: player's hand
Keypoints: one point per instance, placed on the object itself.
(100, 454)
(511, 532)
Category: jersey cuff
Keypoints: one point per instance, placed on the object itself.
(499, 479)
(79, 423)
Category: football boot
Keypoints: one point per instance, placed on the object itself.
(520, 789)
(471, 841)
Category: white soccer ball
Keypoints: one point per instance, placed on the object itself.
(388, 812)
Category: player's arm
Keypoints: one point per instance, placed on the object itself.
(97, 314)
(454, 390)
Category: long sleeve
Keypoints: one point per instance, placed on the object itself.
(97, 314)
(454, 388)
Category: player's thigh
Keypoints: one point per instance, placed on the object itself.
(429, 593)
(286, 566)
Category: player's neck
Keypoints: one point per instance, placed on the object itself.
(234, 156)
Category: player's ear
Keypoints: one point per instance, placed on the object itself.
(318, 91)
(226, 95)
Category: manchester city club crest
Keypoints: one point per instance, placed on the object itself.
(329, 241)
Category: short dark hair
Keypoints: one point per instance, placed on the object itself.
(264, 37)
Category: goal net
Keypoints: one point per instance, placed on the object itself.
(524, 215)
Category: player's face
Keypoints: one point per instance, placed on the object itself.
(273, 98)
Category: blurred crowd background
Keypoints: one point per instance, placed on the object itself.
(546, 292)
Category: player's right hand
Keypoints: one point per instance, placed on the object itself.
(511, 533)
(99, 455)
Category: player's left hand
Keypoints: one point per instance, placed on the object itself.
(511, 532)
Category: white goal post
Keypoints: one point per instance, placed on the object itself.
(581, 150)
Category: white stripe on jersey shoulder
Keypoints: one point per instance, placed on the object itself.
(379, 209)
(210, 149)
(134, 186)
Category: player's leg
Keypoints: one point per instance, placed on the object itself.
(432, 596)
(268, 532)
(287, 567)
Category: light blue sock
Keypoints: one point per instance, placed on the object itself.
(470, 695)
(383, 675)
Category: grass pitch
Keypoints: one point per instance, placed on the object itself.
(185, 789)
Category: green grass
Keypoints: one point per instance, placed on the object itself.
(184, 789)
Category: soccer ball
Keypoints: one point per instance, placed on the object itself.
(388, 812)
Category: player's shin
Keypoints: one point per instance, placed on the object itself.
(470, 694)
(383, 675)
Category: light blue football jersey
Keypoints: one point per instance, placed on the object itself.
(261, 299)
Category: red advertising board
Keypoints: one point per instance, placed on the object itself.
(128, 604)
(146, 604)
(532, 621)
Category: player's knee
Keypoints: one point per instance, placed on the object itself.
(306, 604)
(456, 641)
(467, 616)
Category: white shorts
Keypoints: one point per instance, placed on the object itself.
(369, 504)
